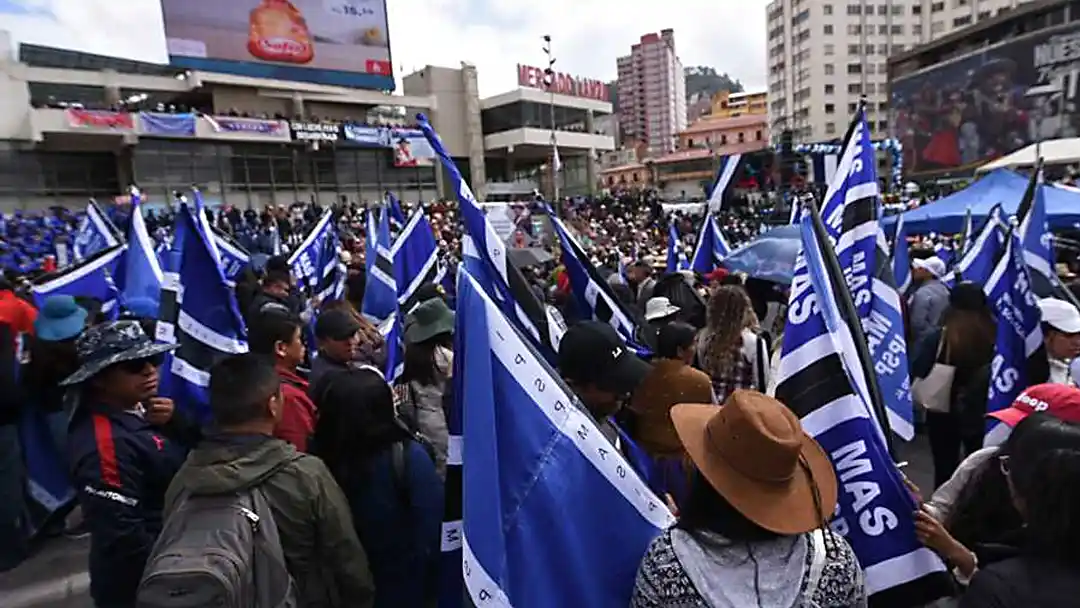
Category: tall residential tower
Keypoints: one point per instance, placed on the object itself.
(652, 93)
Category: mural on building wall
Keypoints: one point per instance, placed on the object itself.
(959, 115)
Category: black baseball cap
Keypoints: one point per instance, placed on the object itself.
(336, 324)
(591, 352)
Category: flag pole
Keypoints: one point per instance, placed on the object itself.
(851, 316)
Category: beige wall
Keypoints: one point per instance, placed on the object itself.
(448, 116)
(246, 100)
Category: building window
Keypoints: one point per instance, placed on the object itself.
(723, 140)
(916, 10)
(917, 29)
(853, 49)
(870, 49)
(830, 49)
(882, 9)
(690, 143)
(829, 89)
(937, 7)
(883, 125)
(897, 30)
(897, 9)
(854, 29)
(870, 88)
(854, 9)
(828, 29)
(742, 137)
(827, 9)
(937, 27)
(882, 30)
(758, 135)
(851, 107)
(830, 128)
(961, 21)
(854, 89)
(830, 108)
(829, 69)
(854, 68)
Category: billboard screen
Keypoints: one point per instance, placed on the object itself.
(130, 29)
(964, 113)
(339, 42)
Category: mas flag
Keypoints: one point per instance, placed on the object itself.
(822, 381)
(711, 247)
(416, 258)
(139, 275)
(204, 320)
(850, 214)
(96, 233)
(676, 257)
(553, 514)
(1019, 330)
(91, 278)
(982, 256)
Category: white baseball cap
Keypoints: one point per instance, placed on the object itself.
(933, 265)
(1060, 315)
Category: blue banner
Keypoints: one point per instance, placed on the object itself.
(156, 123)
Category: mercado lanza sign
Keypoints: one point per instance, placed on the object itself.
(315, 131)
(565, 84)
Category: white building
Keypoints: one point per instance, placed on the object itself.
(652, 92)
(824, 55)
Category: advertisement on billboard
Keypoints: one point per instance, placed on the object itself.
(339, 42)
(411, 148)
(962, 114)
(131, 29)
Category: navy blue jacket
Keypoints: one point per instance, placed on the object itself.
(120, 467)
(398, 518)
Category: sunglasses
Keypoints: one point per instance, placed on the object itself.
(136, 366)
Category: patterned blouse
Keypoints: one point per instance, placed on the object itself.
(663, 582)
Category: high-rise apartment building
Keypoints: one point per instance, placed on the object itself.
(823, 55)
(652, 93)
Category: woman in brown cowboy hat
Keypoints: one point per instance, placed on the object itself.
(753, 530)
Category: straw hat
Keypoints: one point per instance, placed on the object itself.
(754, 453)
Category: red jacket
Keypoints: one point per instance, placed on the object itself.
(298, 414)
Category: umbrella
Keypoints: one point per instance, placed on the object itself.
(529, 256)
(769, 257)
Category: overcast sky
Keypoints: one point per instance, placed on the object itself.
(587, 35)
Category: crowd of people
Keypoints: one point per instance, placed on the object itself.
(350, 472)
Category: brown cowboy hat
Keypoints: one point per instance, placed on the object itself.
(753, 451)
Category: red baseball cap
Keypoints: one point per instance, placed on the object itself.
(1058, 400)
(716, 275)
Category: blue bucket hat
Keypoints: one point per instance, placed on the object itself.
(60, 318)
(110, 343)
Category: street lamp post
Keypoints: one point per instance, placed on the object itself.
(549, 81)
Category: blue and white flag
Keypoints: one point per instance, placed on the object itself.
(1019, 330)
(530, 450)
(484, 253)
(139, 275)
(944, 251)
(304, 260)
(91, 278)
(1035, 238)
(230, 256)
(676, 256)
(96, 233)
(206, 321)
(393, 331)
(711, 247)
(381, 292)
(982, 256)
(330, 270)
(724, 176)
(397, 215)
(371, 228)
(416, 258)
(901, 261)
(593, 295)
(967, 235)
(851, 216)
(822, 380)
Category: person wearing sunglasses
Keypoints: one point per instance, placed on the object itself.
(125, 443)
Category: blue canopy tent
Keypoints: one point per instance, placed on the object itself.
(1003, 186)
